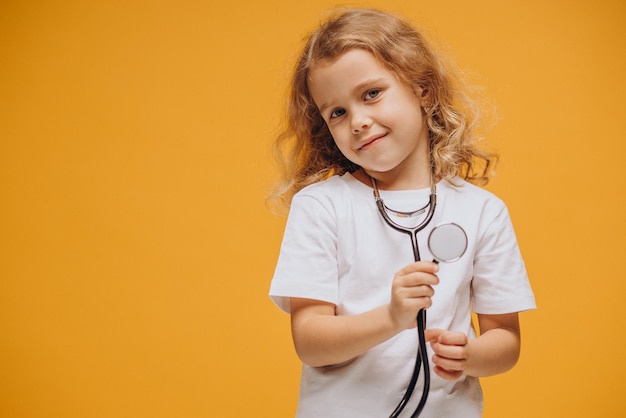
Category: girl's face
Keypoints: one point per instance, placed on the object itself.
(374, 118)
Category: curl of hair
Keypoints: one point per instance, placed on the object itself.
(305, 149)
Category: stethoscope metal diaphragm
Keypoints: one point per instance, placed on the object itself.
(447, 242)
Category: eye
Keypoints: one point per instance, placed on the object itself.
(372, 94)
(337, 113)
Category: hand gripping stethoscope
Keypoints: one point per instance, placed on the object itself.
(447, 242)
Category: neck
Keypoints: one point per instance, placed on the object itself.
(420, 179)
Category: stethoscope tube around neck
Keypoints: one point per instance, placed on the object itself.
(410, 231)
(422, 355)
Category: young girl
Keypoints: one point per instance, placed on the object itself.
(372, 105)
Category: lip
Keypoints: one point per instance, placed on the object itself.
(371, 141)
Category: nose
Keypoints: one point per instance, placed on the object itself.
(360, 122)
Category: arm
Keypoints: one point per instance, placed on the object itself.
(498, 269)
(322, 338)
(495, 351)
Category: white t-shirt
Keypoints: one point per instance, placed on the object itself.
(337, 248)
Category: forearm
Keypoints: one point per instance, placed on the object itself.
(495, 351)
(323, 339)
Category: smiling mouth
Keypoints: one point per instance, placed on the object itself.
(371, 142)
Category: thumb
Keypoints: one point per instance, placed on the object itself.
(433, 334)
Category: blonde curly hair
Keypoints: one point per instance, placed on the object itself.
(305, 149)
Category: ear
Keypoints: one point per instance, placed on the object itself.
(424, 95)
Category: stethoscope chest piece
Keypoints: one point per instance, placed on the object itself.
(447, 242)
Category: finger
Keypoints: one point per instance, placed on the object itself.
(452, 352)
(420, 266)
(450, 364)
(414, 292)
(449, 375)
(407, 302)
(416, 279)
(453, 338)
(433, 334)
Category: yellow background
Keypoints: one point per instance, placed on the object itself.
(135, 247)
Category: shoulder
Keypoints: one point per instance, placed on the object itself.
(470, 194)
(332, 185)
(471, 205)
(458, 185)
(334, 191)
(337, 200)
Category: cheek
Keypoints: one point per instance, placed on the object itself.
(342, 141)
(343, 147)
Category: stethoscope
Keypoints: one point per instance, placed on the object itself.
(447, 242)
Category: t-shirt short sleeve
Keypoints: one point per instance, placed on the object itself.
(500, 284)
(307, 263)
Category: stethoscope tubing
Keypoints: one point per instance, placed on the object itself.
(422, 354)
